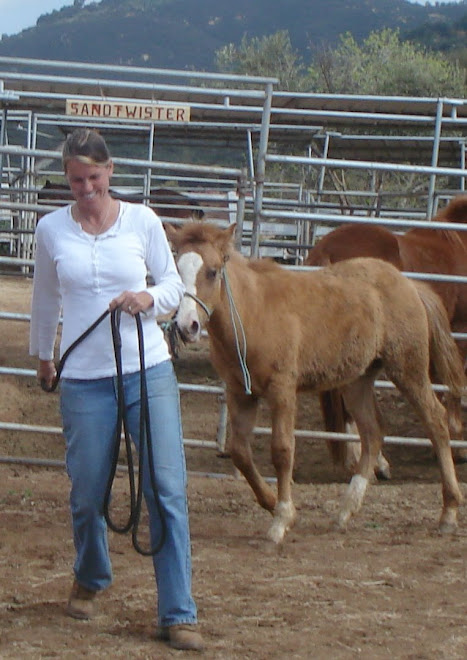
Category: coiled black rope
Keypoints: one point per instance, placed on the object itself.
(136, 495)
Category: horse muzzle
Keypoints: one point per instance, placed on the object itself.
(187, 318)
(189, 330)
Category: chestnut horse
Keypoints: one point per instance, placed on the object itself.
(418, 250)
(274, 332)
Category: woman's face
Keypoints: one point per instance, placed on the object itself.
(89, 183)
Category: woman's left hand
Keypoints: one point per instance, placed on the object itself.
(132, 302)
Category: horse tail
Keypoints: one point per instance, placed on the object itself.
(444, 355)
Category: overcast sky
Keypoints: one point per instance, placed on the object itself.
(17, 15)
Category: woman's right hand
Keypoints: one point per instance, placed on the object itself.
(46, 373)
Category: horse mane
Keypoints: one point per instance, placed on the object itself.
(195, 234)
(201, 233)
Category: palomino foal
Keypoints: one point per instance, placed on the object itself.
(274, 332)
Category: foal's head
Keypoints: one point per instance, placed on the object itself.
(201, 253)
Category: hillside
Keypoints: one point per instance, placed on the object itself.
(184, 34)
(441, 34)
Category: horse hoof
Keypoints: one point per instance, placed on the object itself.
(340, 522)
(284, 517)
(446, 528)
(338, 526)
(382, 468)
(448, 522)
(276, 533)
(383, 474)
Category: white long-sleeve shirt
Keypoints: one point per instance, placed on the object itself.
(79, 274)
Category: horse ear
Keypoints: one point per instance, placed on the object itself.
(231, 230)
(228, 245)
(230, 236)
(172, 232)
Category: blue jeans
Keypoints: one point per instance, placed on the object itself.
(89, 414)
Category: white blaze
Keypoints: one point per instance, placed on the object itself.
(188, 265)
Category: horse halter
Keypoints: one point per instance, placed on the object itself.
(202, 304)
(236, 324)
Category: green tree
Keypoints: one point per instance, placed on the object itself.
(272, 55)
(386, 66)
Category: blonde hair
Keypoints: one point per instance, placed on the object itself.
(87, 146)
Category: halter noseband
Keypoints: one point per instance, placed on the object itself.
(197, 300)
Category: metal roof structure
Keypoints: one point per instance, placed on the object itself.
(229, 102)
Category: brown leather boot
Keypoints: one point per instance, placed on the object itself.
(81, 603)
(182, 637)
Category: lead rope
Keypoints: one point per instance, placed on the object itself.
(145, 433)
(71, 348)
(235, 318)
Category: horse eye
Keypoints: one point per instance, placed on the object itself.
(211, 273)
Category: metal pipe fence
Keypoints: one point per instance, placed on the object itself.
(220, 443)
(234, 107)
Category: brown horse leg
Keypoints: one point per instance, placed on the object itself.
(453, 406)
(242, 412)
(282, 455)
(346, 455)
(335, 418)
(434, 416)
(360, 401)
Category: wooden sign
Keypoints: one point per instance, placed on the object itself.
(127, 110)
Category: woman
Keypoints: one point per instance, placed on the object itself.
(90, 256)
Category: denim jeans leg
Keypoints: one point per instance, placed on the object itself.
(172, 563)
(89, 410)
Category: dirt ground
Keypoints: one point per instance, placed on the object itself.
(390, 587)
